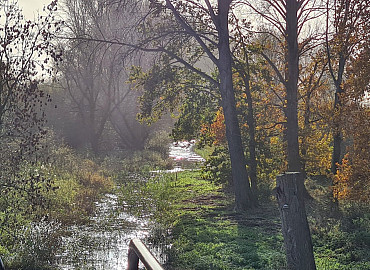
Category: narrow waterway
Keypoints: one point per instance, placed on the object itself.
(103, 242)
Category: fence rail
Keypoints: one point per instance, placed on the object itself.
(1, 265)
(138, 251)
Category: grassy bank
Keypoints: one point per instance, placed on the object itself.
(204, 232)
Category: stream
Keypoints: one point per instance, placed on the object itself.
(103, 242)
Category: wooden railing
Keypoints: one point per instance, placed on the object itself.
(1, 265)
(138, 251)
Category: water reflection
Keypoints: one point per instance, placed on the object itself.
(183, 151)
(103, 243)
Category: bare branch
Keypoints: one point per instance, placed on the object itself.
(191, 32)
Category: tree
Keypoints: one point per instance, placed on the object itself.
(289, 18)
(352, 179)
(96, 76)
(25, 56)
(242, 66)
(314, 104)
(343, 37)
(210, 31)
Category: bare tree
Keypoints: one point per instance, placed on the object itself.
(96, 72)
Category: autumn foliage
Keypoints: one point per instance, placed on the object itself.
(353, 177)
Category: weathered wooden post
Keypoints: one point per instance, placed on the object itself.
(133, 260)
(296, 232)
(1, 265)
(137, 250)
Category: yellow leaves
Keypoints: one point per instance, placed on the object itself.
(352, 180)
(274, 140)
(316, 151)
(341, 179)
(218, 128)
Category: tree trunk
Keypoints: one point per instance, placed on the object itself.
(296, 232)
(337, 142)
(243, 194)
(251, 131)
(294, 161)
(252, 142)
(337, 134)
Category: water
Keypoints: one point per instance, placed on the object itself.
(183, 151)
(103, 243)
(183, 155)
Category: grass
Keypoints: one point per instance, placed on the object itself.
(203, 231)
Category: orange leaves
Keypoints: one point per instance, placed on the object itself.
(218, 129)
(353, 177)
(216, 132)
(341, 179)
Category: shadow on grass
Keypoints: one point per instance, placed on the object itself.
(219, 238)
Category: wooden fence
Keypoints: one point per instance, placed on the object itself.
(138, 251)
(1, 265)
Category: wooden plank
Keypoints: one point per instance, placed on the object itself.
(137, 250)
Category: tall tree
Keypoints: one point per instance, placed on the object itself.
(313, 106)
(25, 57)
(289, 18)
(353, 175)
(95, 77)
(214, 42)
(343, 36)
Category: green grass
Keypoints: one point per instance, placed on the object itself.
(205, 151)
(204, 232)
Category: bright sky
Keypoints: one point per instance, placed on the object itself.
(31, 7)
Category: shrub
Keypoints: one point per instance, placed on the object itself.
(38, 246)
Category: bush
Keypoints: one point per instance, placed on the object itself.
(38, 247)
(217, 167)
(159, 142)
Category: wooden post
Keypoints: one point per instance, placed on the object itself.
(1, 265)
(296, 232)
(137, 250)
(133, 260)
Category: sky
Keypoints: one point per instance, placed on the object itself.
(31, 7)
